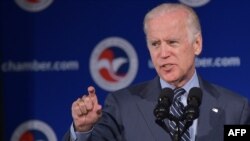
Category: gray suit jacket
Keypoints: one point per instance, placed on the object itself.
(128, 114)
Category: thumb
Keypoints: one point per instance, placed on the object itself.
(99, 110)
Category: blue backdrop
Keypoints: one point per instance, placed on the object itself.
(52, 50)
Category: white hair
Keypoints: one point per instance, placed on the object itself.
(193, 23)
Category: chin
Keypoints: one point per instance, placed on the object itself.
(170, 78)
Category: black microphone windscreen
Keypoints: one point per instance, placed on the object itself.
(195, 93)
(167, 93)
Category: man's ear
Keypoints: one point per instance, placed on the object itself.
(197, 44)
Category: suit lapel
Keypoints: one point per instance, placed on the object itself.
(211, 115)
(146, 106)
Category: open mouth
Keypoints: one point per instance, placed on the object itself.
(167, 67)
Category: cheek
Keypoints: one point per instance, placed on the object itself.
(155, 61)
(189, 63)
(153, 56)
(186, 59)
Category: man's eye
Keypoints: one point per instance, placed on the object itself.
(156, 43)
(173, 43)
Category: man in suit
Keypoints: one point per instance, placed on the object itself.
(174, 39)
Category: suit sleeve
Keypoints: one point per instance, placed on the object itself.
(109, 128)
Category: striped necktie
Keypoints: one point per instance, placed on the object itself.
(176, 109)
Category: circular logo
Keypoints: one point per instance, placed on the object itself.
(113, 63)
(34, 130)
(33, 5)
(195, 3)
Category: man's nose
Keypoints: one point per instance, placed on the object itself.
(165, 51)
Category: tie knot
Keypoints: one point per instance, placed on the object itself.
(178, 92)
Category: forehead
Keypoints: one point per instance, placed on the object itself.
(168, 17)
(171, 23)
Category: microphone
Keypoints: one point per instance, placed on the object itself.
(164, 102)
(193, 102)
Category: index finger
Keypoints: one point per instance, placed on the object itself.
(92, 94)
(91, 91)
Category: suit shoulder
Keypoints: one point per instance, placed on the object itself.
(224, 93)
(127, 96)
(134, 89)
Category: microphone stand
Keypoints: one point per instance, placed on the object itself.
(162, 125)
(178, 133)
(176, 136)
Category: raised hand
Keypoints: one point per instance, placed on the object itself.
(86, 111)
